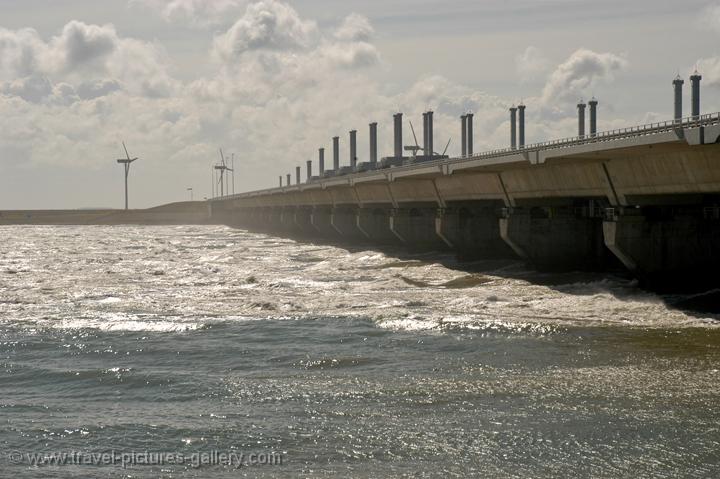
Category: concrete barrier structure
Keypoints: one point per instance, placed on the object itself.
(646, 199)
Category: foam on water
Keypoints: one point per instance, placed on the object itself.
(181, 272)
(351, 363)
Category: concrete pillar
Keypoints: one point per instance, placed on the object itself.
(321, 160)
(678, 88)
(463, 135)
(593, 117)
(333, 221)
(398, 137)
(439, 219)
(431, 141)
(470, 134)
(521, 125)
(373, 143)
(358, 223)
(508, 228)
(473, 229)
(513, 128)
(353, 149)
(695, 97)
(336, 153)
(392, 223)
(581, 119)
(309, 170)
(676, 252)
(426, 128)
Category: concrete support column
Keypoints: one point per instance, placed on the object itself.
(509, 227)
(521, 125)
(678, 91)
(353, 149)
(593, 117)
(333, 222)
(393, 223)
(374, 223)
(344, 221)
(431, 140)
(336, 153)
(398, 136)
(358, 222)
(426, 134)
(670, 247)
(581, 119)
(558, 238)
(695, 94)
(439, 217)
(320, 221)
(613, 241)
(513, 128)
(373, 143)
(470, 134)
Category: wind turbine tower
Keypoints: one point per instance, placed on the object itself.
(222, 168)
(126, 164)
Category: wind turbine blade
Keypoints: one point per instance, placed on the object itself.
(413, 132)
(446, 146)
(126, 152)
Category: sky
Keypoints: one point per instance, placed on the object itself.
(271, 81)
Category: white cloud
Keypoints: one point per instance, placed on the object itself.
(266, 25)
(81, 46)
(194, 12)
(355, 27)
(278, 88)
(81, 53)
(710, 70)
(531, 63)
(578, 75)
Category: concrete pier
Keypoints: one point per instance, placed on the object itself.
(645, 200)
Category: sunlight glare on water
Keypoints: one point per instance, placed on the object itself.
(349, 363)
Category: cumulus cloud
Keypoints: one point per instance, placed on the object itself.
(575, 77)
(193, 12)
(710, 70)
(531, 63)
(83, 52)
(81, 45)
(279, 86)
(33, 89)
(266, 25)
(355, 27)
(19, 52)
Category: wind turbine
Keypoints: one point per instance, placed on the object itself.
(232, 165)
(416, 148)
(126, 163)
(222, 168)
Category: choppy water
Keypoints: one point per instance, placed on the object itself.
(344, 363)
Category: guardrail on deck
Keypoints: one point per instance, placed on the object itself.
(600, 137)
